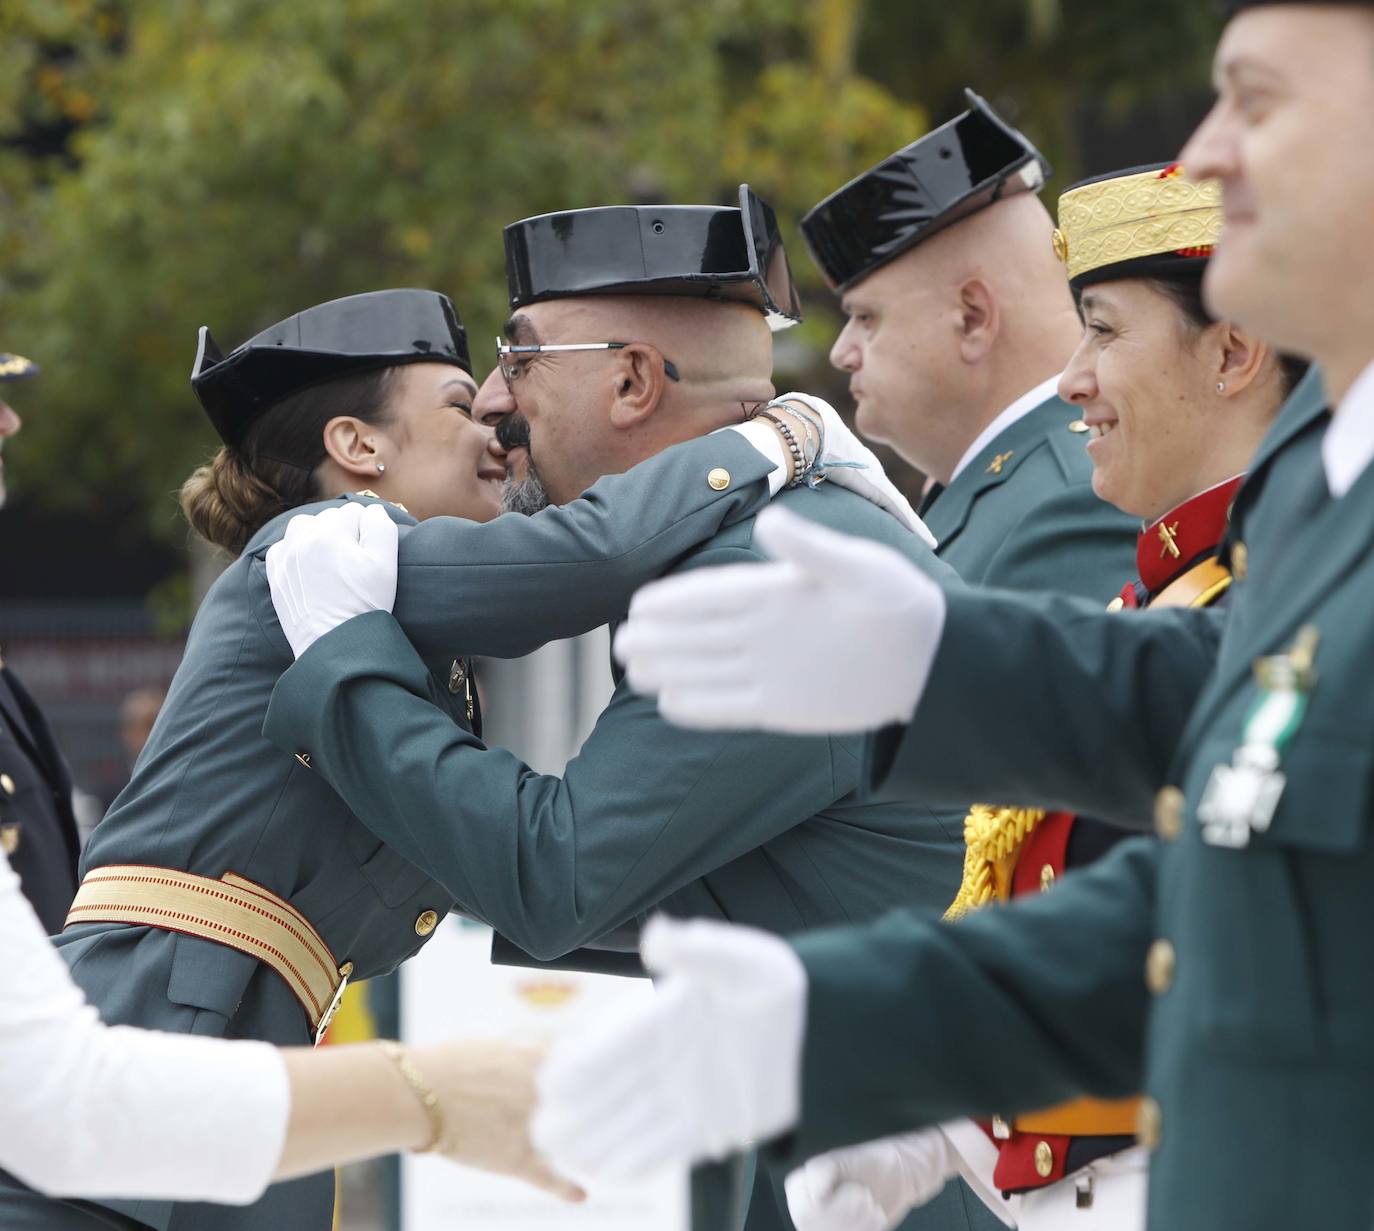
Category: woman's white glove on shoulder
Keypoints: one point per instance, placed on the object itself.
(88, 1110)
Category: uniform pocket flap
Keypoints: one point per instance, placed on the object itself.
(206, 975)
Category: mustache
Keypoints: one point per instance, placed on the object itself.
(513, 432)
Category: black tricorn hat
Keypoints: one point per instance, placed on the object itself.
(698, 251)
(954, 171)
(343, 337)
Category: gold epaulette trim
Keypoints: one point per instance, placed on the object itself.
(992, 837)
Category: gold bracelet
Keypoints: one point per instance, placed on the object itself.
(416, 1081)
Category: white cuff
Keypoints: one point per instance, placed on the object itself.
(766, 441)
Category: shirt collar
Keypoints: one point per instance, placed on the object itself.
(1018, 410)
(1348, 446)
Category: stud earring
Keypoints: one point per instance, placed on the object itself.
(1221, 386)
(381, 468)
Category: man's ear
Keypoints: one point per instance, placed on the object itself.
(979, 319)
(1241, 359)
(353, 446)
(640, 381)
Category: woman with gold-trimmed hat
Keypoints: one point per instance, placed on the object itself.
(1174, 404)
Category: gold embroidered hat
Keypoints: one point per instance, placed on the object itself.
(1131, 224)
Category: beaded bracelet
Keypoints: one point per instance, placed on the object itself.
(815, 425)
(415, 1080)
(798, 457)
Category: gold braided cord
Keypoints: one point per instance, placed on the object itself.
(1133, 216)
(991, 834)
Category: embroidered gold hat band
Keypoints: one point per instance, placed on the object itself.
(232, 911)
(1132, 224)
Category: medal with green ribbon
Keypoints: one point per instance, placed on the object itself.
(1241, 798)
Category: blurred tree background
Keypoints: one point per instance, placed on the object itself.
(165, 165)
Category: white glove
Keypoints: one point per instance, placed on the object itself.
(710, 1064)
(330, 567)
(836, 634)
(870, 1187)
(848, 462)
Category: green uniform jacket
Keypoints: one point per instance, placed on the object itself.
(755, 828)
(210, 795)
(760, 829)
(1253, 1034)
(1023, 514)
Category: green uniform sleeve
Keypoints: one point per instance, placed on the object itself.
(552, 863)
(504, 588)
(911, 1021)
(1052, 701)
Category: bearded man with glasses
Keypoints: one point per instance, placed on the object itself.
(632, 328)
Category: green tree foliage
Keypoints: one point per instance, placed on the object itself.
(165, 165)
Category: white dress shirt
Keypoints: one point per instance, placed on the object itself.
(1348, 446)
(88, 1110)
(1018, 410)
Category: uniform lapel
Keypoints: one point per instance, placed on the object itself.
(949, 512)
(1335, 539)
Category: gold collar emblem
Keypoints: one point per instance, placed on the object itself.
(1168, 535)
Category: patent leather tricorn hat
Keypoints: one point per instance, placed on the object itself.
(697, 251)
(950, 173)
(343, 337)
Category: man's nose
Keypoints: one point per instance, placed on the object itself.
(494, 400)
(844, 354)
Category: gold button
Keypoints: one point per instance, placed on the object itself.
(346, 970)
(426, 923)
(1240, 561)
(1044, 1159)
(1046, 878)
(718, 479)
(304, 759)
(1159, 967)
(6, 784)
(1149, 1124)
(9, 838)
(1116, 604)
(1078, 426)
(1169, 813)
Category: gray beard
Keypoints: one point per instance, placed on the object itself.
(525, 495)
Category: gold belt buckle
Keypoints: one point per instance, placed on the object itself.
(329, 1014)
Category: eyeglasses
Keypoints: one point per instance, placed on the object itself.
(513, 369)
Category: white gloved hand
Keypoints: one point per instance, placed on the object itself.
(870, 1187)
(847, 462)
(710, 1064)
(836, 634)
(331, 566)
